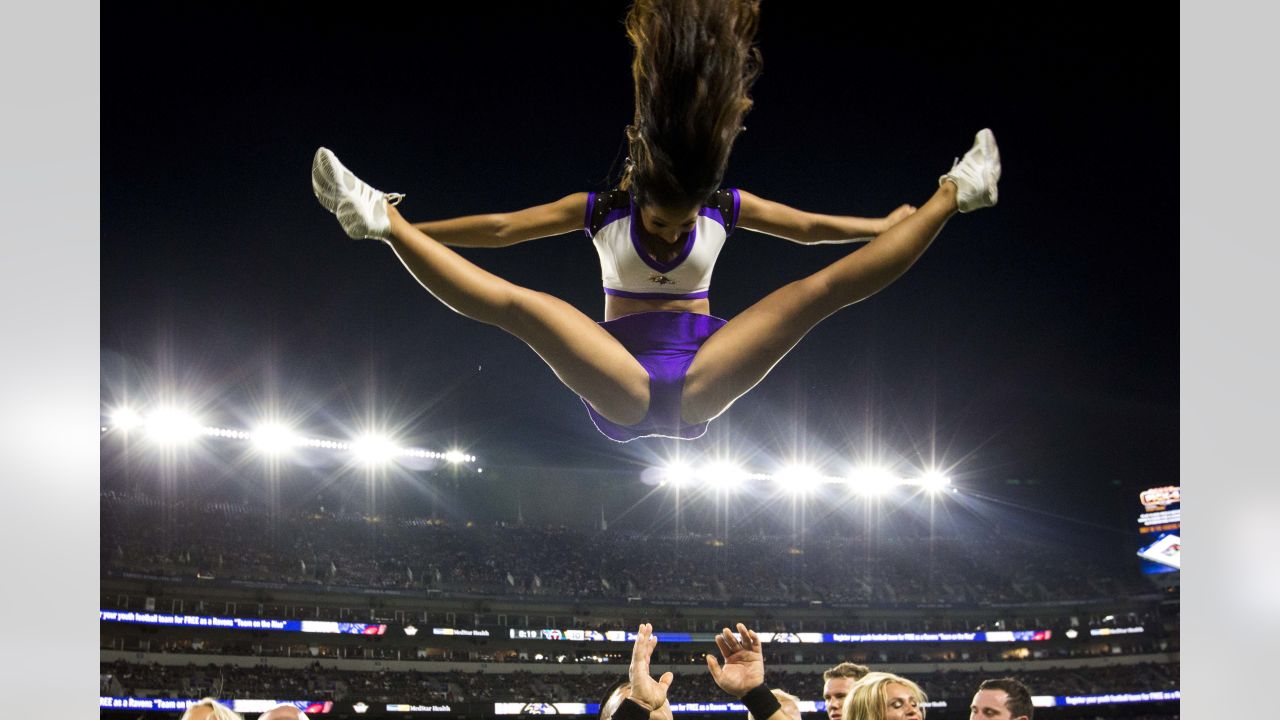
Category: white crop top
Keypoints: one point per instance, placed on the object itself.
(613, 224)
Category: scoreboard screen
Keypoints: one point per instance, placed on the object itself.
(1160, 527)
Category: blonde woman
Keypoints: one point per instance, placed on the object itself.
(210, 709)
(884, 696)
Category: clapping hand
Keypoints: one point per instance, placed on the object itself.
(644, 689)
(743, 662)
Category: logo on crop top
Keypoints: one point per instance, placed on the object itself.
(660, 279)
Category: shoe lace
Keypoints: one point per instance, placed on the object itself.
(960, 169)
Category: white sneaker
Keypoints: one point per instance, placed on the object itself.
(361, 210)
(976, 174)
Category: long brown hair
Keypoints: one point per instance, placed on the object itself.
(694, 65)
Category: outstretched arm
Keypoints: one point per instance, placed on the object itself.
(503, 229)
(772, 218)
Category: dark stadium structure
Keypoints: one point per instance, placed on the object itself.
(450, 593)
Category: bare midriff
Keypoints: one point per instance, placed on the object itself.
(615, 306)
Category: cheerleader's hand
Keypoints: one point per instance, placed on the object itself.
(903, 212)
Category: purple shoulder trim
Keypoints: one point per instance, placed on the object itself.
(656, 296)
(591, 205)
(713, 213)
(737, 205)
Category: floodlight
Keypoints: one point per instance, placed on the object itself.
(274, 439)
(126, 419)
(455, 457)
(724, 475)
(798, 479)
(935, 481)
(171, 426)
(872, 481)
(373, 449)
(678, 474)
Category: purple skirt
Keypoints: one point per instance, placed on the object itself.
(664, 342)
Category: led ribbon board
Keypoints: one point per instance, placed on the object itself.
(1107, 699)
(204, 621)
(311, 707)
(537, 708)
(782, 637)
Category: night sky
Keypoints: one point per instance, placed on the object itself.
(1036, 341)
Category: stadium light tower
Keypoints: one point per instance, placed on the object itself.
(126, 419)
(373, 449)
(274, 439)
(798, 479)
(170, 426)
(872, 481)
(678, 474)
(935, 481)
(724, 476)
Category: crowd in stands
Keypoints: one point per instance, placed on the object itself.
(605, 618)
(314, 549)
(496, 652)
(226, 541)
(320, 683)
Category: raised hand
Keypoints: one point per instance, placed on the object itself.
(743, 662)
(901, 213)
(644, 689)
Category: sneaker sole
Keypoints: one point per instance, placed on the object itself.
(991, 171)
(325, 171)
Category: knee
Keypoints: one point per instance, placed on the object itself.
(813, 290)
(814, 298)
(520, 307)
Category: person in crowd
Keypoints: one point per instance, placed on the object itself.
(836, 684)
(283, 712)
(884, 696)
(210, 709)
(1001, 699)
